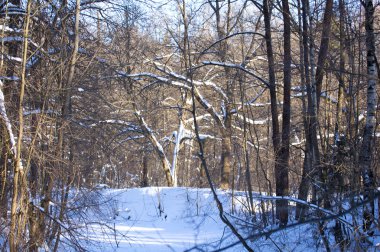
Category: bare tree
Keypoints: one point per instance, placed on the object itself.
(366, 150)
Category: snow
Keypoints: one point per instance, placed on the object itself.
(6, 28)
(154, 140)
(17, 59)
(38, 111)
(178, 138)
(197, 83)
(11, 78)
(361, 117)
(159, 78)
(254, 122)
(187, 219)
(112, 121)
(4, 117)
(155, 219)
(237, 66)
(32, 61)
(323, 95)
(206, 105)
(12, 39)
(101, 186)
(131, 138)
(257, 122)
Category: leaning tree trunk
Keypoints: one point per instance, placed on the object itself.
(366, 150)
(157, 147)
(324, 46)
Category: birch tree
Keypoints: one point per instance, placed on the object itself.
(366, 149)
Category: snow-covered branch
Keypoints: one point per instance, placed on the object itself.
(157, 146)
(130, 127)
(218, 89)
(205, 104)
(257, 122)
(251, 102)
(323, 95)
(230, 36)
(156, 77)
(198, 118)
(237, 66)
(39, 111)
(6, 121)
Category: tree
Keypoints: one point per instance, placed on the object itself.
(366, 150)
(280, 143)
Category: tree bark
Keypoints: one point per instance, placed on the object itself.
(145, 178)
(280, 145)
(366, 150)
(324, 46)
(303, 190)
(19, 181)
(272, 77)
(281, 168)
(226, 155)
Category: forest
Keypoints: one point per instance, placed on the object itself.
(273, 101)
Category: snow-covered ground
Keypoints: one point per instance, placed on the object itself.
(183, 219)
(157, 219)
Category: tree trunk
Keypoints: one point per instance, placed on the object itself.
(312, 158)
(366, 150)
(20, 189)
(324, 46)
(157, 147)
(145, 178)
(272, 77)
(281, 168)
(226, 155)
(226, 158)
(280, 146)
